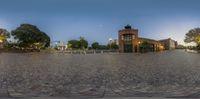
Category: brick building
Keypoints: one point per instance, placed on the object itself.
(129, 41)
(169, 44)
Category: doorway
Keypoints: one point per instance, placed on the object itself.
(128, 48)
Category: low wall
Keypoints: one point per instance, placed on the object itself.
(192, 51)
(87, 51)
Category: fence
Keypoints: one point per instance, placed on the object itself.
(87, 51)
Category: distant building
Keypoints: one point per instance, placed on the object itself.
(113, 41)
(116, 41)
(130, 42)
(59, 45)
(169, 44)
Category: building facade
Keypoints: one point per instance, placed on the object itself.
(59, 45)
(130, 42)
(115, 41)
(169, 44)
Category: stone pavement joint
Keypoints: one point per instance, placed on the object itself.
(13, 93)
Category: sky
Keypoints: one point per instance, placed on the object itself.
(99, 20)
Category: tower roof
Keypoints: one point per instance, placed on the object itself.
(128, 26)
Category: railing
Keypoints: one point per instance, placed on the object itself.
(87, 51)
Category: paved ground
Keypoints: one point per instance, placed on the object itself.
(97, 98)
(162, 74)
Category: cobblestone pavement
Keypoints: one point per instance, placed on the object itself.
(107, 98)
(163, 74)
(3, 78)
(96, 98)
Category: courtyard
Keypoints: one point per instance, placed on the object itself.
(161, 74)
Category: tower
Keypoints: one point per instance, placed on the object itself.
(128, 39)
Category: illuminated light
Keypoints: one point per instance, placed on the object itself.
(110, 39)
(161, 47)
(1, 41)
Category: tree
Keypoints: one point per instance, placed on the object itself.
(113, 45)
(180, 46)
(4, 34)
(29, 36)
(74, 44)
(78, 44)
(83, 43)
(193, 36)
(103, 47)
(95, 45)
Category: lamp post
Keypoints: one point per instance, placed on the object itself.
(110, 42)
(138, 46)
(139, 42)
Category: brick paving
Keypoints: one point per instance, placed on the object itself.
(163, 74)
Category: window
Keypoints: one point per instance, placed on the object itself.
(128, 39)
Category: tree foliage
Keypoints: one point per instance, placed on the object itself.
(78, 44)
(74, 44)
(95, 45)
(193, 36)
(29, 36)
(103, 47)
(113, 45)
(83, 43)
(4, 34)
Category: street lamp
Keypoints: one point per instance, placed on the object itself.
(138, 46)
(139, 42)
(110, 42)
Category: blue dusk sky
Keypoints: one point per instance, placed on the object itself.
(99, 20)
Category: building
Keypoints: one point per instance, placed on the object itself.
(129, 41)
(169, 44)
(116, 41)
(59, 45)
(113, 41)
